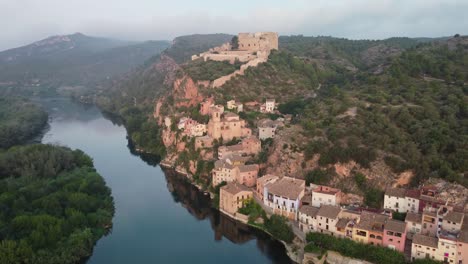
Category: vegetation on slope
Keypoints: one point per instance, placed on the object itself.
(362, 114)
(73, 60)
(20, 120)
(55, 206)
(200, 70)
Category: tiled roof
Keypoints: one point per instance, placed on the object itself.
(329, 211)
(413, 217)
(222, 164)
(309, 210)
(395, 225)
(413, 194)
(396, 192)
(454, 217)
(266, 178)
(372, 221)
(247, 168)
(425, 240)
(287, 187)
(326, 190)
(342, 223)
(234, 187)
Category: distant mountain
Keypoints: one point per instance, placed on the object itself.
(73, 60)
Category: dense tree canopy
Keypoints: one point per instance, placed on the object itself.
(19, 121)
(54, 205)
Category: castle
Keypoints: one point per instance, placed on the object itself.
(250, 46)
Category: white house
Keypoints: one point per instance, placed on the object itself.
(327, 218)
(308, 218)
(284, 195)
(324, 195)
(395, 200)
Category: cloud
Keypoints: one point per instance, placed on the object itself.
(30, 20)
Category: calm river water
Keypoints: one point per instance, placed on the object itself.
(160, 218)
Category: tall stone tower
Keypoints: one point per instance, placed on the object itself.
(214, 125)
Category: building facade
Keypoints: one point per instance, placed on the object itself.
(233, 196)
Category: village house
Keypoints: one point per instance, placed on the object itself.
(424, 247)
(268, 106)
(233, 169)
(206, 106)
(284, 195)
(369, 229)
(262, 181)
(402, 200)
(344, 228)
(394, 235)
(233, 105)
(462, 247)
(307, 218)
(248, 146)
(327, 218)
(413, 224)
(324, 195)
(197, 130)
(267, 128)
(247, 174)
(429, 222)
(394, 199)
(452, 222)
(227, 126)
(447, 250)
(233, 196)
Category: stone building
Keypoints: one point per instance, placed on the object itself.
(284, 195)
(324, 195)
(267, 128)
(413, 224)
(231, 170)
(233, 196)
(264, 180)
(248, 146)
(424, 247)
(307, 218)
(259, 41)
(327, 217)
(227, 126)
(394, 235)
(268, 107)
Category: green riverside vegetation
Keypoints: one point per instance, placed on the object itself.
(20, 120)
(319, 243)
(54, 205)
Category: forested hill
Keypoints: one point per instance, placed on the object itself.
(20, 120)
(400, 101)
(73, 60)
(55, 206)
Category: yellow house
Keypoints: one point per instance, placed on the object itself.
(233, 196)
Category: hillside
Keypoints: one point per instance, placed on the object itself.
(393, 110)
(73, 60)
(411, 115)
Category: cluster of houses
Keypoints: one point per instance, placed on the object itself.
(432, 229)
(438, 230)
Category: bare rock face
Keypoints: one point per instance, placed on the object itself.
(193, 167)
(180, 146)
(168, 137)
(186, 92)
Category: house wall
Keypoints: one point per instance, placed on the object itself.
(307, 223)
(451, 226)
(232, 202)
(319, 199)
(397, 204)
(412, 204)
(248, 178)
(223, 174)
(413, 227)
(375, 238)
(462, 249)
(421, 252)
(447, 251)
(364, 238)
(266, 132)
(282, 205)
(429, 225)
(394, 240)
(326, 225)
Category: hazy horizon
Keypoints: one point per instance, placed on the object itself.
(30, 20)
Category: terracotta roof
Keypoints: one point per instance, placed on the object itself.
(395, 225)
(326, 190)
(329, 211)
(222, 164)
(372, 221)
(342, 223)
(413, 217)
(266, 178)
(427, 241)
(247, 168)
(413, 194)
(396, 192)
(287, 187)
(234, 188)
(230, 114)
(429, 213)
(454, 217)
(309, 210)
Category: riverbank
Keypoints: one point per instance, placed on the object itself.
(291, 249)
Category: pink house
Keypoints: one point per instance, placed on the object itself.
(394, 235)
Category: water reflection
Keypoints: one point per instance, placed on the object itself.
(199, 206)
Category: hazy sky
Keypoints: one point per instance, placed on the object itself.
(25, 21)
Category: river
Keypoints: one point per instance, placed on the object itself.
(160, 217)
